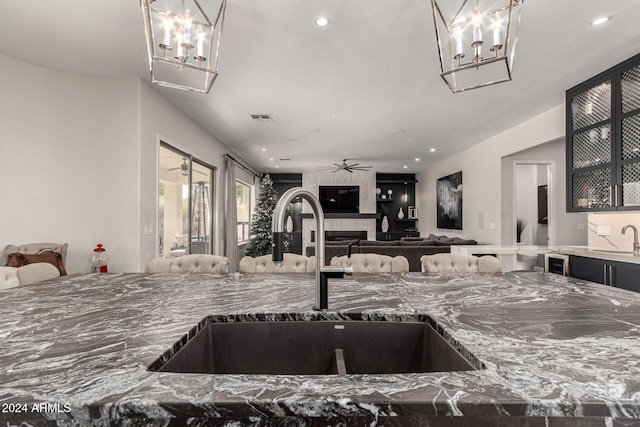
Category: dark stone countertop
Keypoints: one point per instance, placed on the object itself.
(557, 352)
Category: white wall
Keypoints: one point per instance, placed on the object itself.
(68, 162)
(481, 177)
(567, 224)
(79, 159)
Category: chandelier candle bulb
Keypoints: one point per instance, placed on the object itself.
(180, 56)
(458, 38)
(187, 30)
(200, 44)
(496, 34)
(167, 23)
(477, 29)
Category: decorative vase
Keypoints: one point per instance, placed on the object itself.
(289, 224)
(390, 192)
(385, 224)
(378, 191)
(401, 214)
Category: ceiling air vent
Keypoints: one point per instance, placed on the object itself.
(261, 117)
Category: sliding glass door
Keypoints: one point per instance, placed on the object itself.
(185, 210)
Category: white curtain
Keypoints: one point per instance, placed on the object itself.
(231, 218)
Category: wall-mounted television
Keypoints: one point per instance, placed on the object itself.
(339, 198)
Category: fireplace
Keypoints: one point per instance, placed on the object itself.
(340, 235)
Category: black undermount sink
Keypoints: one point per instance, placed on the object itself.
(319, 347)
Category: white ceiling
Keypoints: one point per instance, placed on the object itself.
(373, 69)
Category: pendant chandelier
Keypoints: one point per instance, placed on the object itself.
(183, 41)
(476, 41)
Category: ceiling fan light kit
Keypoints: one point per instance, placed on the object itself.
(183, 41)
(476, 41)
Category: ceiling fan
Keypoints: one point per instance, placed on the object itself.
(346, 167)
(184, 168)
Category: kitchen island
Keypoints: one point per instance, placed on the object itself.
(553, 351)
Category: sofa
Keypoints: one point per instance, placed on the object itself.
(412, 248)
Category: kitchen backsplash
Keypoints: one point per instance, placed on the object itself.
(605, 230)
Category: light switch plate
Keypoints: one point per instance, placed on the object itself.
(603, 230)
(148, 229)
(580, 227)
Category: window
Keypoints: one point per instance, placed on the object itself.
(243, 198)
(185, 217)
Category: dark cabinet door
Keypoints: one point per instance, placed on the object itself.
(603, 141)
(591, 269)
(623, 275)
(626, 275)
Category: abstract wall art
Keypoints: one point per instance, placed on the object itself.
(449, 201)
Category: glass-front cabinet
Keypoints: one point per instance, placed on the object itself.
(603, 141)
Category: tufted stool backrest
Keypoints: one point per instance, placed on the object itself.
(194, 263)
(373, 263)
(292, 263)
(459, 263)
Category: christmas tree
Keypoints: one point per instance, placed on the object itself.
(260, 234)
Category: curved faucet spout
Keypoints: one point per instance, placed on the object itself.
(278, 232)
(636, 245)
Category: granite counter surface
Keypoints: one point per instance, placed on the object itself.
(556, 352)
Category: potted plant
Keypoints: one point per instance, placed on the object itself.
(521, 224)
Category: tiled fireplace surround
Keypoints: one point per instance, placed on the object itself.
(366, 180)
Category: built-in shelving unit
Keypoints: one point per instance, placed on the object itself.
(402, 196)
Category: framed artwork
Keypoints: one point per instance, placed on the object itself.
(449, 201)
(542, 204)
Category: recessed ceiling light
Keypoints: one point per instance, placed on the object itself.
(264, 149)
(277, 166)
(600, 21)
(322, 21)
(397, 130)
(315, 130)
(410, 139)
(405, 167)
(433, 150)
(271, 159)
(417, 159)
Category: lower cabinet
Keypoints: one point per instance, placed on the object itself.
(625, 275)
